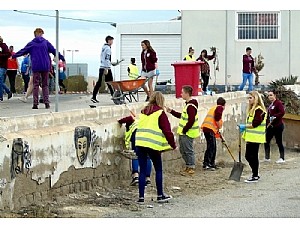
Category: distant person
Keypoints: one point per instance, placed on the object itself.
(248, 70)
(30, 85)
(25, 71)
(211, 126)
(62, 76)
(254, 132)
(133, 70)
(12, 70)
(205, 69)
(153, 136)
(190, 55)
(4, 55)
(149, 66)
(275, 126)
(105, 68)
(188, 129)
(39, 49)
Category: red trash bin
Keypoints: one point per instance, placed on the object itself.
(187, 73)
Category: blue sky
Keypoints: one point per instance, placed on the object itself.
(88, 37)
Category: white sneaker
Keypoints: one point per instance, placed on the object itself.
(280, 161)
(23, 99)
(267, 160)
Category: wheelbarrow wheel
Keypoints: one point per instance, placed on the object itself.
(118, 98)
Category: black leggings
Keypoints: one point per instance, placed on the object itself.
(60, 82)
(107, 78)
(12, 79)
(252, 157)
(270, 133)
(205, 78)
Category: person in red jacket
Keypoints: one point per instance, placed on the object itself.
(275, 126)
(12, 70)
(149, 66)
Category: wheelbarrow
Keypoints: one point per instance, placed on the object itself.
(127, 89)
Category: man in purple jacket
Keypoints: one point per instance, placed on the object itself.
(248, 70)
(39, 49)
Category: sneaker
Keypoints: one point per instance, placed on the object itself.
(1, 99)
(23, 99)
(140, 200)
(252, 179)
(163, 199)
(35, 107)
(147, 99)
(187, 171)
(134, 181)
(41, 100)
(210, 168)
(9, 95)
(280, 161)
(94, 100)
(267, 160)
(47, 106)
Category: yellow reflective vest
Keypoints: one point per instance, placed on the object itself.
(148, 133)
(255, 135)
(128, 133)
(210, 122)
(133, 72)
(194, 131)
(188, 58)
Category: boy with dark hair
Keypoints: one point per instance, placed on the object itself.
(188, 129)
(210, 127)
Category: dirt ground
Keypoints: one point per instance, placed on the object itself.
(102, 202)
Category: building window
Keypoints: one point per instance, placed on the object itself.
(258, 25)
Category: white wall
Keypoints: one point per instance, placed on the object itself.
(203, 29)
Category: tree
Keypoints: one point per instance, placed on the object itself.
(259, 65)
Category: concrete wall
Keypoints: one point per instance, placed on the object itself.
(205, 28)
(39, 161)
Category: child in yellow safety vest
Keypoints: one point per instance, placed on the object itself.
(254, 132)
(131, 126)
(188, 129)
(211, 125)
(133, 70)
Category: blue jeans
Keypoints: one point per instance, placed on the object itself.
(2, 83)
(246, 77)
(135, 162)
(155, 156)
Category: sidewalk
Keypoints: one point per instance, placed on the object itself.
(14, 107)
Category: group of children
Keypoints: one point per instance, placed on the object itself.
(151, 134)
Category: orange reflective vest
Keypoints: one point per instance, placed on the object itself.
(210, 122)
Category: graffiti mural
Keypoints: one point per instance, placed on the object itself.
(82, 140)
(21, 157)
(95, 146)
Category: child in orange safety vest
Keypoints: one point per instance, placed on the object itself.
(210, 127)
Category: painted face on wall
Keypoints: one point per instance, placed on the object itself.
(82, 148)
(82, 140)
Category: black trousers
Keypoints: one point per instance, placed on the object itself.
(12, 79)
(270, 133)
(252, 157)
(107, 78)
(61, 83)
(211, 150)
(205, 78)
(26, 79)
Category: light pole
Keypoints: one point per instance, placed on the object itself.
(73, 53)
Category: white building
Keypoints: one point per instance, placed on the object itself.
(273, 34)
(165, 38)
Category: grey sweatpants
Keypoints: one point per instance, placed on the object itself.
(187, 151)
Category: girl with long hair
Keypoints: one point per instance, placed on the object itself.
(153, 136)
(254, 132)
(149, 66)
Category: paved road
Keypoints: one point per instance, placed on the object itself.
(276, 195)
(14, 107)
